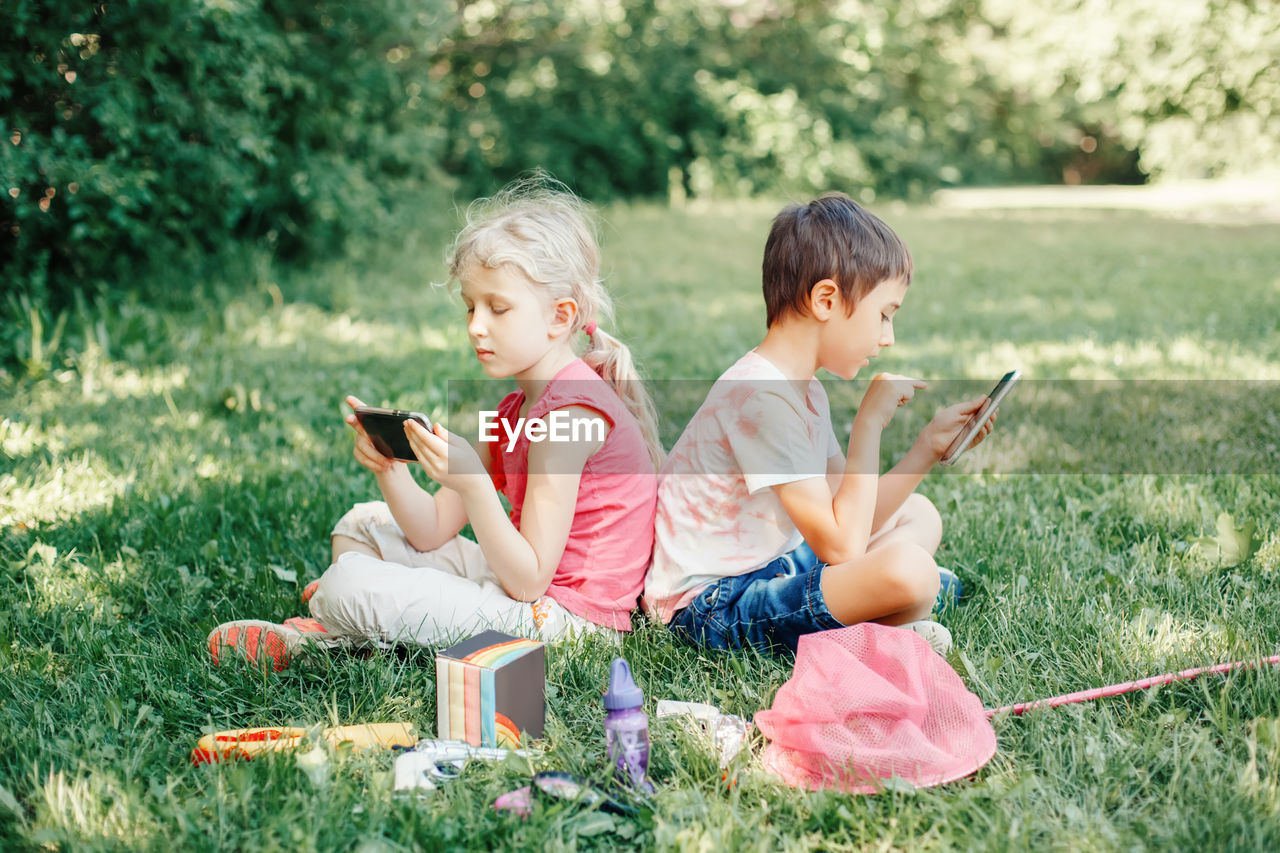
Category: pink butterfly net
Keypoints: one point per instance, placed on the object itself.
(869, 703)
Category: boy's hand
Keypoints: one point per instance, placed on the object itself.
(366, 454)
(886, 393)
(447, 458)
(938, 434)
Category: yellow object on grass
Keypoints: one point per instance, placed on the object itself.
(249, 743)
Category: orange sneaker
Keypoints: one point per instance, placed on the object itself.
(309, 590)
(261, 641)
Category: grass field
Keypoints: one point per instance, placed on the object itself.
(182, 466)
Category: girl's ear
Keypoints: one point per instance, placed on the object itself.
(564, 314)
(823, 299)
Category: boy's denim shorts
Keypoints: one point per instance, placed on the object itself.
(768, 609)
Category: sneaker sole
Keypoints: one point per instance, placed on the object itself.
(251, 640)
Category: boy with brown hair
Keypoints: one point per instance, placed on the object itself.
(766, 529)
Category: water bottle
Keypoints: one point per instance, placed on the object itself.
(626, 728)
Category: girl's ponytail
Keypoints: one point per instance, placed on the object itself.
(610, 357)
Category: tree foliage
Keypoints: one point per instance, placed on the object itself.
(728, 98)
(733, 97)
(139, 132)
(1193, 86)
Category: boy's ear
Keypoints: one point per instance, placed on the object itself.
(564, 313)
(824, 298)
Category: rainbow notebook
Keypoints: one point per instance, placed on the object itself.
(490, 689)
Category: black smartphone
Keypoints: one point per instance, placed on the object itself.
(979, 418)
(386, 430)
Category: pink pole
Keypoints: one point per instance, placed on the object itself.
(1130, 686)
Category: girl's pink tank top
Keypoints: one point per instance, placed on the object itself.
(601, 573)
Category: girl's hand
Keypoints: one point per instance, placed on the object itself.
(937, 436)
(447, 458)
(886, 393)
(366, 454)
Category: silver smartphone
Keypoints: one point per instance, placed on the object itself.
(979, 418)
(386, 430)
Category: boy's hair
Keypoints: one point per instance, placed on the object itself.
(539, 227)
(830, 237)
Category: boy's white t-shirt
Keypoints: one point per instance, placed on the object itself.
(718, 515)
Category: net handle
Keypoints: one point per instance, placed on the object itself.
(1130, 686)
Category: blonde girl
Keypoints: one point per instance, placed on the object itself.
(571, 555)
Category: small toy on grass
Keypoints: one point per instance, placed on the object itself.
(518, 802)
(567, 786)
(727, 732)
(626, 728)
(430, 762)
(249, 743)
(490, 689)
(561, 786)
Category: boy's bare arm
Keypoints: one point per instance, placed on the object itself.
(838, 525)
(901, 480)
(892, 489)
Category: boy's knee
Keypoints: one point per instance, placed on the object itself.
(921, 511)
(922, 508)
(911, 573)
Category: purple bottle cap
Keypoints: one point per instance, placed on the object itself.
(622, 692)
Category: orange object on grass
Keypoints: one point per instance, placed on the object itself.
(248, 743)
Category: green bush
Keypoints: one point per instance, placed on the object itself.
(143, 140)
(731, 99)
(871, 96)
(1192, 87)
(142, 134)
